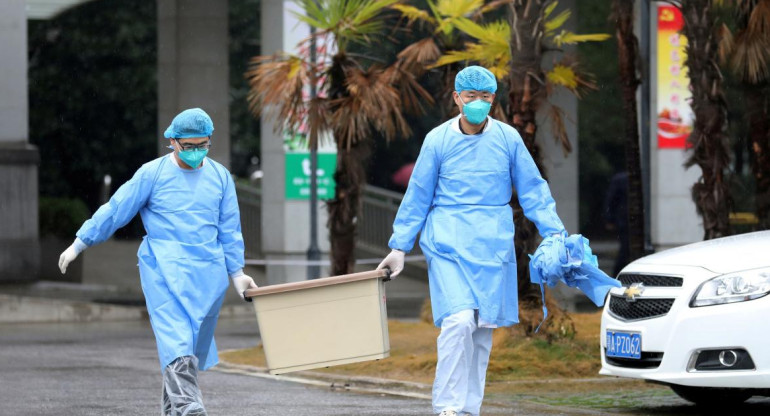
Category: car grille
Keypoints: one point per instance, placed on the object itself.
(648, 360)
(639, 309)
(650, 280)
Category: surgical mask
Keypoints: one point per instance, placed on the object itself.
(194, 157)
(476, 111)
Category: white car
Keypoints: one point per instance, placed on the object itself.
(696, 318)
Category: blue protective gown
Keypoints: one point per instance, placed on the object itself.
(458, 197)
(193, 243)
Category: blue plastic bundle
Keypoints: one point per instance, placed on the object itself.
(569, 260)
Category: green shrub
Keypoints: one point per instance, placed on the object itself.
(62, 217)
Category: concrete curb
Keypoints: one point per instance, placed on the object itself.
(30, 309)
(374, 385)
(361, 384)
(333, 381)
(26, 309)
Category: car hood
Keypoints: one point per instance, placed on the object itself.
(721, 255)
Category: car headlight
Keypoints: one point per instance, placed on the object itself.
(734, 287)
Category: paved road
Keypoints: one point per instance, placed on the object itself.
(112, 369)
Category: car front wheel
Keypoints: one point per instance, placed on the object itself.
(710, 396)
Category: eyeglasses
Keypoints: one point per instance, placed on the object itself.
(189, 146)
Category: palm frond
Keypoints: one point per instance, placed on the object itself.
(413, 96)
(458, 8)
(559, 130)
(759, 21)
(317, 121)
(553, 24)
(419, 55)
(371, 102)
(491, 50)
(570, 38)
(549, 9)
(492, 33)
(564, 74)
(493, 5)
(370, 10)
(726, 44)
(452, 57)
(751, 58)
(413, 13)
(751, 47)
(350, 21)
(276, 88)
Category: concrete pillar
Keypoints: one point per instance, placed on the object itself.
(19, 247)
(674, 220)
(285, 223)
(193, 68)
(562, 171)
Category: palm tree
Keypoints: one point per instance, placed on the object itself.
(513, 50)
(708, 140)
(748, 54)
(532, 26)
(355, 99)
(440, 19)
(628, 58)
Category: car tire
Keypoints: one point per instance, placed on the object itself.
(710, 396)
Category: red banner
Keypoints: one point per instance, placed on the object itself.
(674, 114)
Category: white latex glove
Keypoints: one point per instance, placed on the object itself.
(70, 254)
(243, 282)
(394, 261)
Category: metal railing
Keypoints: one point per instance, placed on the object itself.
(250, 204)
(375, 224)
(378, 210)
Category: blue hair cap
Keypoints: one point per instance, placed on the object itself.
(192, 122)
(475, 78)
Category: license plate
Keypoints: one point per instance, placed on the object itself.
(624, 344)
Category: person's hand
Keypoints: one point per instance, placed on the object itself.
(67, 257)
(394, 261)
(243, 282)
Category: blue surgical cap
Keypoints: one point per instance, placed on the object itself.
(475, 78)
(192, 122)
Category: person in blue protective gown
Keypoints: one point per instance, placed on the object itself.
(190, 213)
(458, 199)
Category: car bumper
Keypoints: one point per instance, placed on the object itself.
(684, 331)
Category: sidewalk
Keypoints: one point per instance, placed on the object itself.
(111, 290)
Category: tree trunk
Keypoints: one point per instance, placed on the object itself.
(350, 177)
(628, 58)
(708, 140)
(759, 134)
(527, 92)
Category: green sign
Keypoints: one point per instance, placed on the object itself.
(298, 175)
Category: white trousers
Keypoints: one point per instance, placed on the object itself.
(463, 354)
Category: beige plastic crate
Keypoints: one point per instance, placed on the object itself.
(323, 322)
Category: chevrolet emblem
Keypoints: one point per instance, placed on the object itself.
(633, 291)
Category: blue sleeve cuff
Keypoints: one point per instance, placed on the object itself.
(236, 273)
(80, 246)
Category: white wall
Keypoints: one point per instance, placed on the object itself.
(19, 248)
(673, 218)
(193, 67)
(13, 67)
(285, 223)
